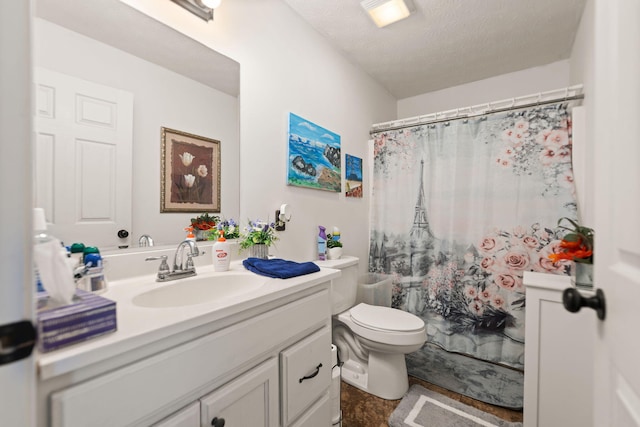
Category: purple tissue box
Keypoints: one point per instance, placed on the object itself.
(88, 316)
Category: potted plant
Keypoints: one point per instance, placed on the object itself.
(202, 224)
(334, 247)
(227, 226)
(577, 246)
(257, 237)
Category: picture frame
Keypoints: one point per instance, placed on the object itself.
(353, 176)
(314, 158)
(189, 173)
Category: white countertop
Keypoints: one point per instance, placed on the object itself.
(139, 326)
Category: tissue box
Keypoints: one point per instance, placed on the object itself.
(88, 316)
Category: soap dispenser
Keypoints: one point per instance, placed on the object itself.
(190, 235)
(221, 255)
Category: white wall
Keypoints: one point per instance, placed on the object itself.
(285, 66)
(520, 83)
(161, 98)
(582, 71)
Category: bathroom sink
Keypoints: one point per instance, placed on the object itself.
(199, 290)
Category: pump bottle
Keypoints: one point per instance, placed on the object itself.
(221, 255)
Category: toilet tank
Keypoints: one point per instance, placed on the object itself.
(345, 287)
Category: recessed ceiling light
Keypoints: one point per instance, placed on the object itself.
(385, 12)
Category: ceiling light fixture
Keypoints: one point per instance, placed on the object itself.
(385, 12)
(201, 8)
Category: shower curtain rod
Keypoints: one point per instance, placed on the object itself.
(567, 94)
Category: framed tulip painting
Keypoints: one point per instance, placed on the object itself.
(190, 172)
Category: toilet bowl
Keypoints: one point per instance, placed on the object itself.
(372, 340)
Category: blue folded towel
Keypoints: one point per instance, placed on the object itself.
(279, 268)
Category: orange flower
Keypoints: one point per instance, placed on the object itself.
(577, 244)
(561, 256)
(570, 245)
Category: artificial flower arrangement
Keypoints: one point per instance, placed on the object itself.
(258, 232)
(576, 245)
(332, 242)
(228, 227)
(204, 222)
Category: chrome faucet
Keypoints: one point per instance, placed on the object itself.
(145, 240)
(193, 251)
(181, 270)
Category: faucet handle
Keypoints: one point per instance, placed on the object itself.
(164, 267)
(189, 264)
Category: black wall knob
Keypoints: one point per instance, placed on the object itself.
(217, 422)
(573, 301)
(123, 234)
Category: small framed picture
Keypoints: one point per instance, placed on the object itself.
(190, 173)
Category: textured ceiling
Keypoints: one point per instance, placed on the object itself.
(445, 43)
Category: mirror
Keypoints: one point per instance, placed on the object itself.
(175, 82)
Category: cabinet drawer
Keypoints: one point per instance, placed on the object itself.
(186, 417)
(306, 373)
(319, 415)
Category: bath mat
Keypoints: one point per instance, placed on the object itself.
(474, 378)
(425, 408)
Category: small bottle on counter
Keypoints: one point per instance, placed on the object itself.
(322, 243)
(221, 255)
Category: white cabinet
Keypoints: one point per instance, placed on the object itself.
(250, 400)
(186, 417)
(234, 373)
(306, 373)
(317, 415)
(558, 356)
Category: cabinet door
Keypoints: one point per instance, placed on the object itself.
(249, 400)
(186, 417)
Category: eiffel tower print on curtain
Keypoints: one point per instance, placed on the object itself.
(421, 236)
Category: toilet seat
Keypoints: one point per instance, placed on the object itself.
(385, 318)
(379, 331)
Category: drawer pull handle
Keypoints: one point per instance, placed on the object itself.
(217, 422)
(308, 377)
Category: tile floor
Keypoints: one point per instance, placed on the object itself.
(360, 409)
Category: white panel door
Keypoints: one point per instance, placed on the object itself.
(617, 200)
(83, 166)
(17, 379)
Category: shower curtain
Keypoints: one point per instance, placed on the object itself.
(460, 210)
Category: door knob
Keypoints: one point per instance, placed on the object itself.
(218, 422)
(573, 301)
(123, 234)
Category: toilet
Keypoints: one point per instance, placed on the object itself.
(372, 340)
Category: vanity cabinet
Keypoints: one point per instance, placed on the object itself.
(558, 356)
(268, 367)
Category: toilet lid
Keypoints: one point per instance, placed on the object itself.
(385, 318)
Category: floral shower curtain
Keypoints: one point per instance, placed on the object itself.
(460, 210)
